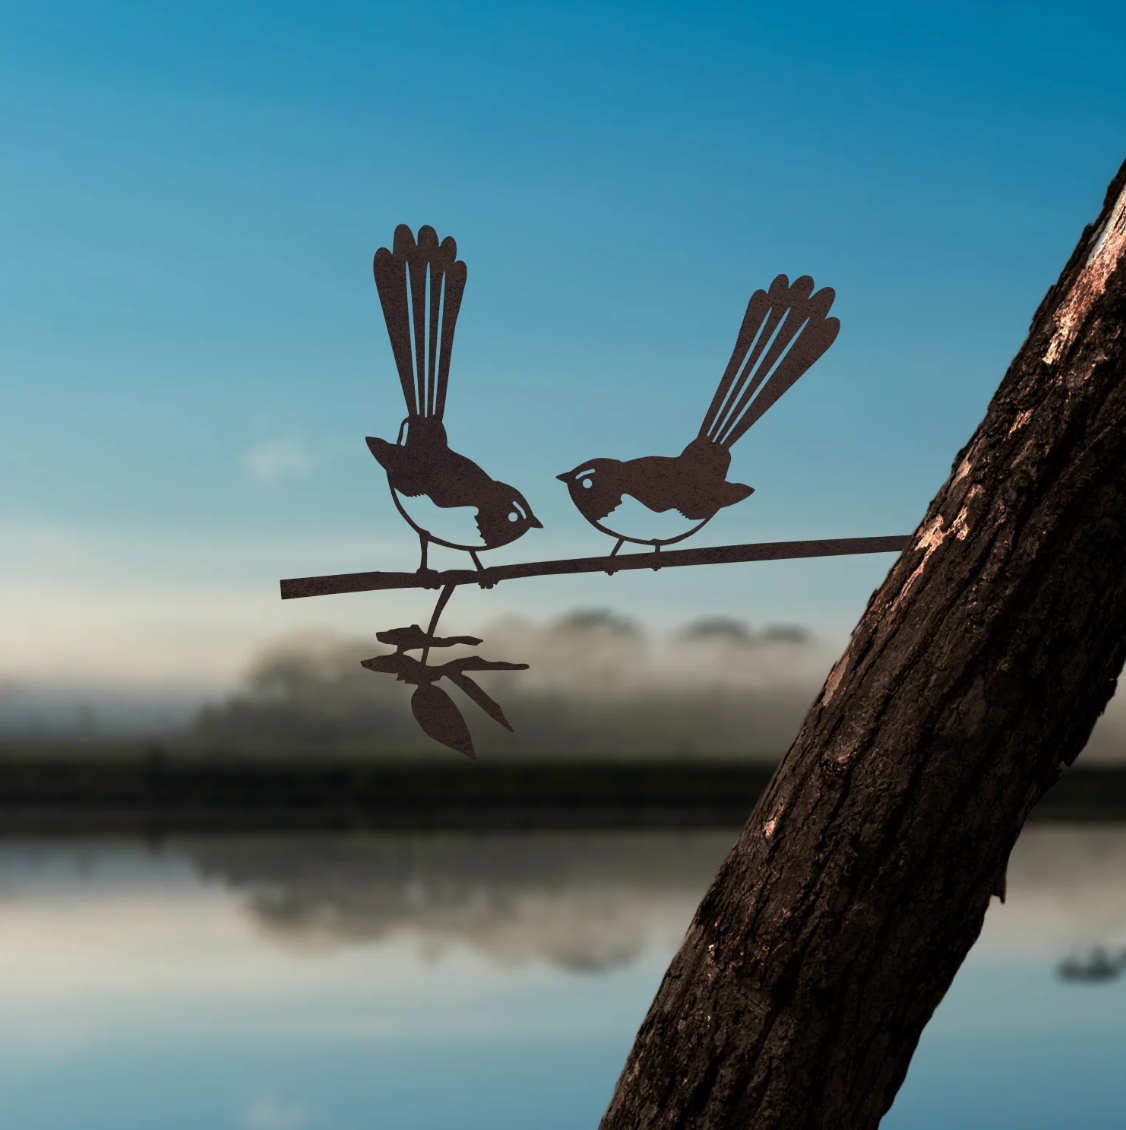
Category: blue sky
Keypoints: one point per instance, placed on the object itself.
(191, 348)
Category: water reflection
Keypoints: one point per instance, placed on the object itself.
(233, 981)
(589, 901)
(577, 900)
(1096, 965)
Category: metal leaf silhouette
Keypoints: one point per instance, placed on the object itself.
(488, 704)
(476, 663)
(405, 667)
(414, 639)
(389, 664)
(441, 719)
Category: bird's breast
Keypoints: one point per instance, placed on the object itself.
(634, 520)
(455, 524)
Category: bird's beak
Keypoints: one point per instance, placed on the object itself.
(564, 478)
(535, 523)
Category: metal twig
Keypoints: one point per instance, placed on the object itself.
(713, 555)
(443, 600)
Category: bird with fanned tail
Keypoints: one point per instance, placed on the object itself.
(784, 331)
(420, 287)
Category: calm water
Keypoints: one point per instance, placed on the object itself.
(492, 982)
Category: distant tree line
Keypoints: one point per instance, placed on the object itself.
(597, 686)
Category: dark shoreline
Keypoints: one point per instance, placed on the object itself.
(160, 797)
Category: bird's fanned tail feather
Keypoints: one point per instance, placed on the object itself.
(784, 331)
(420, 289)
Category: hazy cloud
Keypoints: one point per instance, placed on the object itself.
(117, 615)
(598, 684)
(266, 1113)
(278, 459)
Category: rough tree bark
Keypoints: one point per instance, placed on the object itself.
(976, 674)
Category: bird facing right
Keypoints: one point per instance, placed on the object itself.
(784, 331)
(420, 464)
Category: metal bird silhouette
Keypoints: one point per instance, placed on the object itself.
(784, 331)
(421, 283)
(420, 289)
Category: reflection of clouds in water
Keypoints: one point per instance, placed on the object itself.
(1066, 891)
(591, 901)
(1097, 964)
(581, 901)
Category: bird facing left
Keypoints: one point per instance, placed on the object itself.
(420, 288)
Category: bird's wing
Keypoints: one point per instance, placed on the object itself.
(420, 288)
(705, 504)
(455, 480)
(784, 331)
(405, 471)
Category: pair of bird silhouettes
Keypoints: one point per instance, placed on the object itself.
(421, 284)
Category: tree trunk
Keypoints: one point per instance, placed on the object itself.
(976, 674)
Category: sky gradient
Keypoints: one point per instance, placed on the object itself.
(192, 351)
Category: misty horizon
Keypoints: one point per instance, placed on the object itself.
(598, 684)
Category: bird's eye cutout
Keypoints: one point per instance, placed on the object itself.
(587, 483)
(513, 516)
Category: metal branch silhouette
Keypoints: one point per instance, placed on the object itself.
(421, 284)
(298, 587)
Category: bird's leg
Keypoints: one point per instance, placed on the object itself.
(480, 569)
(423, 568)
(443, 600)
(609, 571)
(656, 556)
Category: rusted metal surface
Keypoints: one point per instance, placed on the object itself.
(421, 284)
(298, 587)
(784, 331)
